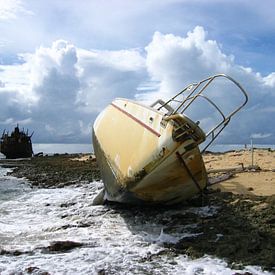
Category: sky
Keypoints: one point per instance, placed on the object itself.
(64, 61)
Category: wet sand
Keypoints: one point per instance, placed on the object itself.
(243, 229)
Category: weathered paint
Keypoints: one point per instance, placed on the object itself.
(137, 155)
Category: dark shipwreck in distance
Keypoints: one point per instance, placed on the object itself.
(16, 145)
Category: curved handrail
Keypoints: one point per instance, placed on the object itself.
(208, 81)
(195, 91)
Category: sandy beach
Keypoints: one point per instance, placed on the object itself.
(257, 180)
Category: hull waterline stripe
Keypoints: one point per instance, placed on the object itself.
(137, 120)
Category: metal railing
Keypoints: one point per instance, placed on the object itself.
(194, 91)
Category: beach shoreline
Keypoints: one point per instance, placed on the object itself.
(242, 231)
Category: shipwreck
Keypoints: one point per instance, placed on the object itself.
(151, 154)
(16, 145)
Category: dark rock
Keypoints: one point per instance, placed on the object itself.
(67, 204)
(31, 269)
(14, 252)
(62, 246)
(36, 270)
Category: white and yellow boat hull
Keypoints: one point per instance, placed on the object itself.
(147, 157)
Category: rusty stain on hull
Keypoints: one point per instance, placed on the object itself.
(149, 154)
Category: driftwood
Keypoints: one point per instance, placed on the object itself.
(220, 178)
(227, 173)
(228, 170)
(224, 174)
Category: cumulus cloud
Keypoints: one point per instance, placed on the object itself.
(183, 59)
(15, 96)
(270, 80)
(173, 62)
(59, 90)
(53, 75)
(10, 8)
(105, 75)
(65, 88)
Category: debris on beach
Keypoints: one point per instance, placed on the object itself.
(153, 155)
(16, 145)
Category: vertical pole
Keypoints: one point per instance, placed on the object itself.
(252, 153)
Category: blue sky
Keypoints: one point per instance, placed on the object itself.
(61, 62)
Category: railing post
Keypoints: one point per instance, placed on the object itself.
(252, 153)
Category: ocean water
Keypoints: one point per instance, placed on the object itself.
(230, 147)
(88, 148)
(61, 148)
(114, 239)
(58, 148)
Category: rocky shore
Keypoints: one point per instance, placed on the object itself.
(242, 230)
(56, 171)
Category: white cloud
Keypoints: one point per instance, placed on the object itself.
(260, 135)
(53, 72)
(9, 9)
(270, 80)
(175, 61)
(60, 89)
(270, 109)
(65, 87)
(11, 121)
(105, 75)
(15, 80)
